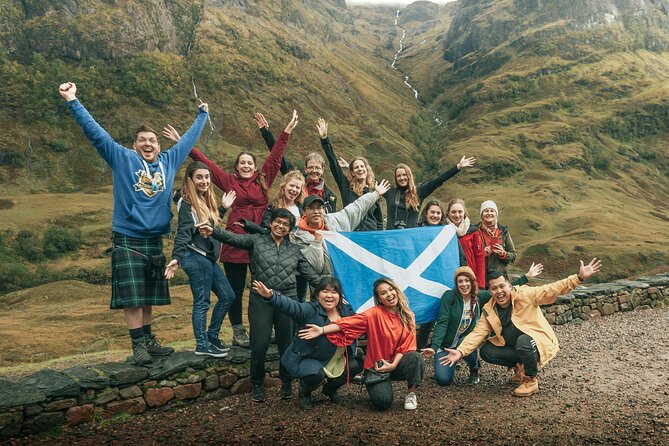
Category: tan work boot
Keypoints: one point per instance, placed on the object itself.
(519, 374)
(530, 386)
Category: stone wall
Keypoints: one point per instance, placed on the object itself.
(49, 399)
(603, 299)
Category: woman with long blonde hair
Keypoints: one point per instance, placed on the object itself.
(198, 256)
(391, 343)
(404, 199)
(359, 180)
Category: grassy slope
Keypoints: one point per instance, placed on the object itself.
(560, 205)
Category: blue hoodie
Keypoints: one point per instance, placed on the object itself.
(142, 200)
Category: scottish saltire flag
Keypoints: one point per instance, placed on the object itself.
(421, 261)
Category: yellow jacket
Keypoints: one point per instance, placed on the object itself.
(525, 315)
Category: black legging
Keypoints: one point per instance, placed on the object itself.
(236, 274)
(524, 352)
(311, 382)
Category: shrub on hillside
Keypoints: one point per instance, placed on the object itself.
(13, 276)
(28, 246)
(59, 240)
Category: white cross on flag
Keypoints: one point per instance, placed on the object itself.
(421, 261)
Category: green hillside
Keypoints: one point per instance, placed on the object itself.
(563, 104)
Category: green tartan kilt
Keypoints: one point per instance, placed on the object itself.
(130, 286)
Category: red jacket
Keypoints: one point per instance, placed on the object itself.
(251, 202)
(472, 246)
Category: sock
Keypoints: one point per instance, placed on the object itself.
(147, 330)
(238, 327)
(137, 335)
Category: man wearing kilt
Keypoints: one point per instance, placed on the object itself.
(142, 185)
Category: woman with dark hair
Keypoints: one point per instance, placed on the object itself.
(276, 262)
(432, 214)
(391, 343)
(459, 312)
(312, 361)
(404, 199)
(359, 181)
(198, 256)
(252, 188)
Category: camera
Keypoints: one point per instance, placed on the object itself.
(400, 224)
(379, 364)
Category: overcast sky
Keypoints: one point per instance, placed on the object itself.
(391, 2)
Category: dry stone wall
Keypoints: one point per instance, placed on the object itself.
(48, 399)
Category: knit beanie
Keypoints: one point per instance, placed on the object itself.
(463, 270)
(488, 204)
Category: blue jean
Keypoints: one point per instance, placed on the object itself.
(205, 276)
(446, 374)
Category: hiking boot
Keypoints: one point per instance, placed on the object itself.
(305, 398)
(286, 390)
(410, 402)
(258, 394)
(154, 347)
(334, 396)
(519, 374)
(473, 377)
(222, 346)
(530, 386)
(140, 353)
(240, 338)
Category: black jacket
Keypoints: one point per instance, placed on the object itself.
(308, 357)
(188, 235)
(396, 200)
(276, 266)
(329, 197)
(373, 221)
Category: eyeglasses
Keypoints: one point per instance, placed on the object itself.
(143, 140)
(314, 168)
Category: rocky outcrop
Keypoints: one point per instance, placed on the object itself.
(483, 25)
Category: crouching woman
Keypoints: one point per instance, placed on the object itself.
(312, 361)
(391, 343)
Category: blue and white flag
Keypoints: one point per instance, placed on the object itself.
(421, 261)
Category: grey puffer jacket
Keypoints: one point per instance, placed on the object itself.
(277, 266)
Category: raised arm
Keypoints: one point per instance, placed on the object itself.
(426, 188)
(300, 312)
(178, 153)
(337, 172)
(219, 177)
(270, 140)
(272, 164)
(99, 138)
(351, 216)
(547, 294)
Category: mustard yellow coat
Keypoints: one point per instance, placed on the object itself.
(525, 315)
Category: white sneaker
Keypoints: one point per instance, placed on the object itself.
(410, 401)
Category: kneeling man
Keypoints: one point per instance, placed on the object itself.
(513, 329)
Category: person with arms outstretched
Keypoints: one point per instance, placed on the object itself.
(142, 185)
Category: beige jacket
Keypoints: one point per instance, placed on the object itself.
(525, 315)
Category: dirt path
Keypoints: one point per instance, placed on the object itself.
(608, 385)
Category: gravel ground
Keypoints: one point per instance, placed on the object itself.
(609, 384)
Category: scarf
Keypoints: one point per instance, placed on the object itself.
(315, 187)
(304, 225)
(462, 228)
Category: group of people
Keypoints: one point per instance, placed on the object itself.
(281, 242)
